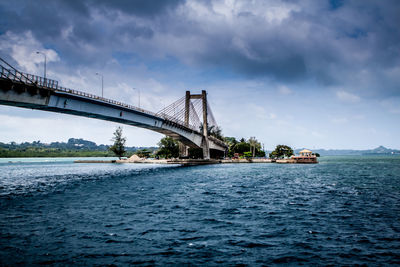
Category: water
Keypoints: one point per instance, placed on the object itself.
(345, 210)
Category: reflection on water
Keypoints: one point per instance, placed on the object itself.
(344, 210)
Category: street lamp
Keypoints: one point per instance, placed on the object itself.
(138, 94)
(102, 84)
(45, 63)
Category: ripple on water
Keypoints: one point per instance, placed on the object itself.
(339, 212)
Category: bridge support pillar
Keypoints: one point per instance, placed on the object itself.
(205, 146)
(183, 150)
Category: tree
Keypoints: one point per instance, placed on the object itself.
(255, 146)
(261, 153)
(169, 148)
(119, 143)
(215, 131)
(242, 147)
(231, 142)
(247, 154)
(143, 153)
(281, 151)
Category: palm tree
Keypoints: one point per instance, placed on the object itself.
(213, 131)
(254, 144)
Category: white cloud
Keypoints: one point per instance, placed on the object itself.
(347, 97)
(22, 48)
(270, 11)
(272, 116)
(317, 134)
(358, 117)
(392, 105)
(284, 90)
(340, 120)
(372, 130)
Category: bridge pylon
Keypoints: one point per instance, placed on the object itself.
(183, 149)
(205, 145)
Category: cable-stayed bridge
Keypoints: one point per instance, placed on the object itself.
(188, 120)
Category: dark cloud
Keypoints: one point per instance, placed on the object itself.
(329, 41)
(84, 32)
(335, 4)
(138, 7)
(48, 19)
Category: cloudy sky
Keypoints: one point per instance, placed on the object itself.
(315, 74)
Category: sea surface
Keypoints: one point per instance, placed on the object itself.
(342, 211)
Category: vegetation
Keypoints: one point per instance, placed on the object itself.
(31, 152)
(281, 151)
(168, 148)
(214, 131)
(247, 154)
(74, 147)
(252, 146)
(119, 143)
(143, 153)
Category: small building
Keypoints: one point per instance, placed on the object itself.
(305, 153)
(306, 156)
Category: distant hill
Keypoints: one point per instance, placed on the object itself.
(381, 150)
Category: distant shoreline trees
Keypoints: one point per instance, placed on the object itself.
(73, 147)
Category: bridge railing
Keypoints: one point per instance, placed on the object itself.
(53, 84)
(27, 78)
(114, 102)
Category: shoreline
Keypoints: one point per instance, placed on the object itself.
(188, 162)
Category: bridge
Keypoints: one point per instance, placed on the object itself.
(180, 120)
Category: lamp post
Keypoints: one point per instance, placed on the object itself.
(45, 63)
(102, 84)
(138, 94)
